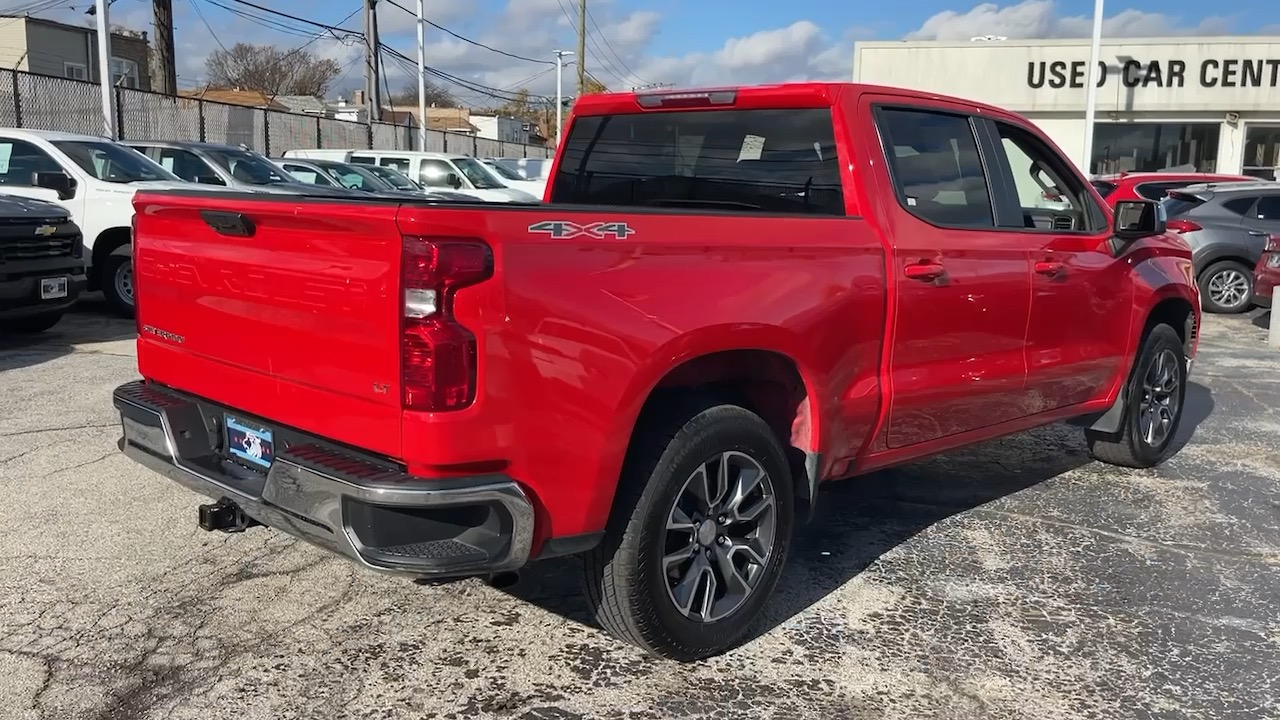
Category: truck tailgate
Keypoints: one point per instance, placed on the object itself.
(285, 309)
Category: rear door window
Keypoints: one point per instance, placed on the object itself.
(764, 161)
(936, 170)
(1240, 206)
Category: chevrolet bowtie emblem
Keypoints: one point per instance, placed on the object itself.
(46, 230)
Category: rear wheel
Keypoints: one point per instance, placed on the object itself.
(1226, 287)
(32, 324)
(699, 537)
(117, 281)
(1153, 410)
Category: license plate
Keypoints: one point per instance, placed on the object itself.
(53, 288)
(1274, 260)
(249, 442)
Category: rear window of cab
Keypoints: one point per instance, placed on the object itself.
(765, 161)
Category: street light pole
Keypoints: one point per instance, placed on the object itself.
(1091, 93)
(104, 69)
(560, 56)
(422, 77)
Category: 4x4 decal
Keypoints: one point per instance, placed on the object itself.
(564, 230)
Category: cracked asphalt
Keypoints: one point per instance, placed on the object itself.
(1012, 580)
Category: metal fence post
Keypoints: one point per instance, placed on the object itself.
(266, 132)
(475, 146)
(17, 99)
(200, 115)
(369, 138)
(319, 142)
(119, 123)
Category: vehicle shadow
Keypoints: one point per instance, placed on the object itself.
(1263, 319)
(89, 322)
(860, 520)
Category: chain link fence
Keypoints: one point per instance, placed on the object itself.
(44, 102)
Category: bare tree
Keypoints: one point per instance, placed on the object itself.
(437, 96)
(271, 70)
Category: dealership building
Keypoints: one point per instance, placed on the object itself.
(1211, 103)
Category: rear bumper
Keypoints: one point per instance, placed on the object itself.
(1265, 279)
(360, 507)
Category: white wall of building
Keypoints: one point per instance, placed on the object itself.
(1232, 82)
(503, 129)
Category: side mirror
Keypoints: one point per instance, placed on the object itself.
(1137, 219)
(209, 180)
(453, 180)
(58, 182)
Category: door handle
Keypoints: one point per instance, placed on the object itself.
(1258, 233)
(1050, 267)
(925, 270)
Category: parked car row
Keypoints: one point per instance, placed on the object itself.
(83, 187)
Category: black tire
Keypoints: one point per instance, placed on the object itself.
(118, 299)
(1238, 273)
(1129, 448)
(33, 324)
(624, 577)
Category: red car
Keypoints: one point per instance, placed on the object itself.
(730, 297)
(1266, 276)
(1154, 185)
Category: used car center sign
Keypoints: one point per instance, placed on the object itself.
(1131, 73)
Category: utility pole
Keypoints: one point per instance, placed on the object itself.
(164, 72)
(422, 76)
(582, 48)
(371, 52)
(1091, 94)
(560, 55)
(104, 70)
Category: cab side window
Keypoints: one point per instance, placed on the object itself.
(186, 165)
(936, 169)
(1052, 198)
(401, 164)
(434, 172)
(20, 161)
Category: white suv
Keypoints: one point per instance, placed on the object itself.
(95, 179)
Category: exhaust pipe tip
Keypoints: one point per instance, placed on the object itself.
(503, 580)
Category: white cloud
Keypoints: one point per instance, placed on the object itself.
(1039, 19)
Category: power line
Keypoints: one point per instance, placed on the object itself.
(468, 40)
(472, 86)
(615, 54)
(195, 5)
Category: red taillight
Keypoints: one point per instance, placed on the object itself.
(437, 354)
(1183, 226)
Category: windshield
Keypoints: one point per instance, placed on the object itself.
(249, 167)
(503, 171)
(478, 174)
(391, 177)
(113, 163)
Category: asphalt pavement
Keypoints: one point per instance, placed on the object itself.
(1017, 579)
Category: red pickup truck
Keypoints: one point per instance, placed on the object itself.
(729, 297)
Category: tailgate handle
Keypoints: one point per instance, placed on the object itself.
(228, 223)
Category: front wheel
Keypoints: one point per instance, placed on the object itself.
(699, 537)
(117, 282)
(1153, 409)
(1226, 287)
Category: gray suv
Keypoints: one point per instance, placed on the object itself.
(215, 164)
(1227, 226)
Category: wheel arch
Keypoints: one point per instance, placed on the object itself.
(107, 242)
(756, 368)
(1172, 308)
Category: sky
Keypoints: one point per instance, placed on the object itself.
(637, 42)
